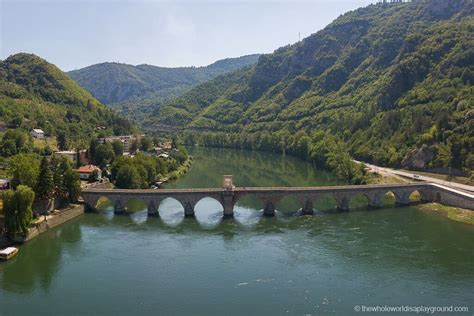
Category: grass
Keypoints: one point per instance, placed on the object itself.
(445, 177)
(375, 178)
(454, 213)
(51, 141)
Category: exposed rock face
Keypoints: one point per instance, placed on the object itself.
(418, 158)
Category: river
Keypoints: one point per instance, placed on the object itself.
(102, 264)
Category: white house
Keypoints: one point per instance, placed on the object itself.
(86, 171)
(37, 133)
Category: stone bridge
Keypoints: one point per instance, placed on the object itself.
(269, 196)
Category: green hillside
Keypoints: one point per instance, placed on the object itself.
(137, 90)
(36, 94)
(391, 81)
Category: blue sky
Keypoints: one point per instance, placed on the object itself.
(74, 34)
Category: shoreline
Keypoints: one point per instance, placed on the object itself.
(456, 214)
(41, 226)
(182, 170)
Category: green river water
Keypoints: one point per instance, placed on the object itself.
(329, 263)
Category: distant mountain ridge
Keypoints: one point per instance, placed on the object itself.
(131, 89)
(36, 94)
(391, 80)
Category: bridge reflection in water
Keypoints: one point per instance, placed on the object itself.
(270, 196)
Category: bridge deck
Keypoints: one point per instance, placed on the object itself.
(257, 189)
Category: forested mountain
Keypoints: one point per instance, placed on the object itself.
(36, 94)
(391, 81)
(136, 90)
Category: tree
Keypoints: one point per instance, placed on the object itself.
(145, 143)
(117, 147)
(444, 155)
(62, 141)
(17, 206)
(104, 154)
(60, 165)
(94, 176)
(15, 141)
(45, 186)
(92, 149)
(134, 145)
(24, 169)
(72, 185)
(174, 142)
(128, 177)
(340, 162)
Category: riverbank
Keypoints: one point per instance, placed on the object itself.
(454, 213)
(55, 219)
(182, 169)
(41, 225)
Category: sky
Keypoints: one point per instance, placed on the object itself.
(74, 34)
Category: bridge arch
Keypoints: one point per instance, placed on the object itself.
(415, 196)
(326, 202)
(289, 204)
(102, 203)
(133, 205)
(208, 211)
(388, 199)
(170, 210)
(359, 201)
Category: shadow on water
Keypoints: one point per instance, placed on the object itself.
(40, 259)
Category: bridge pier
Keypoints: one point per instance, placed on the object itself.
(118, 208)
(152, 209)
(402, 198)
(188, 210)
(269, 209)
(228, 199)
(343, 204)
(375, 200)
(308, 208)
(88, 208)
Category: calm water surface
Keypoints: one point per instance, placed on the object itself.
(288, 265)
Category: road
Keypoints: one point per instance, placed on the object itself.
(415, 177)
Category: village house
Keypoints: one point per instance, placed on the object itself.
(37, 133)
(126, 141)
(86, 171)
(163, 146)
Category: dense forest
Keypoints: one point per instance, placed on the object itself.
(135, 91)
(391, 82)
(36, 94)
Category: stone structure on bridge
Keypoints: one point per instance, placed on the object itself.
(270, 196)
